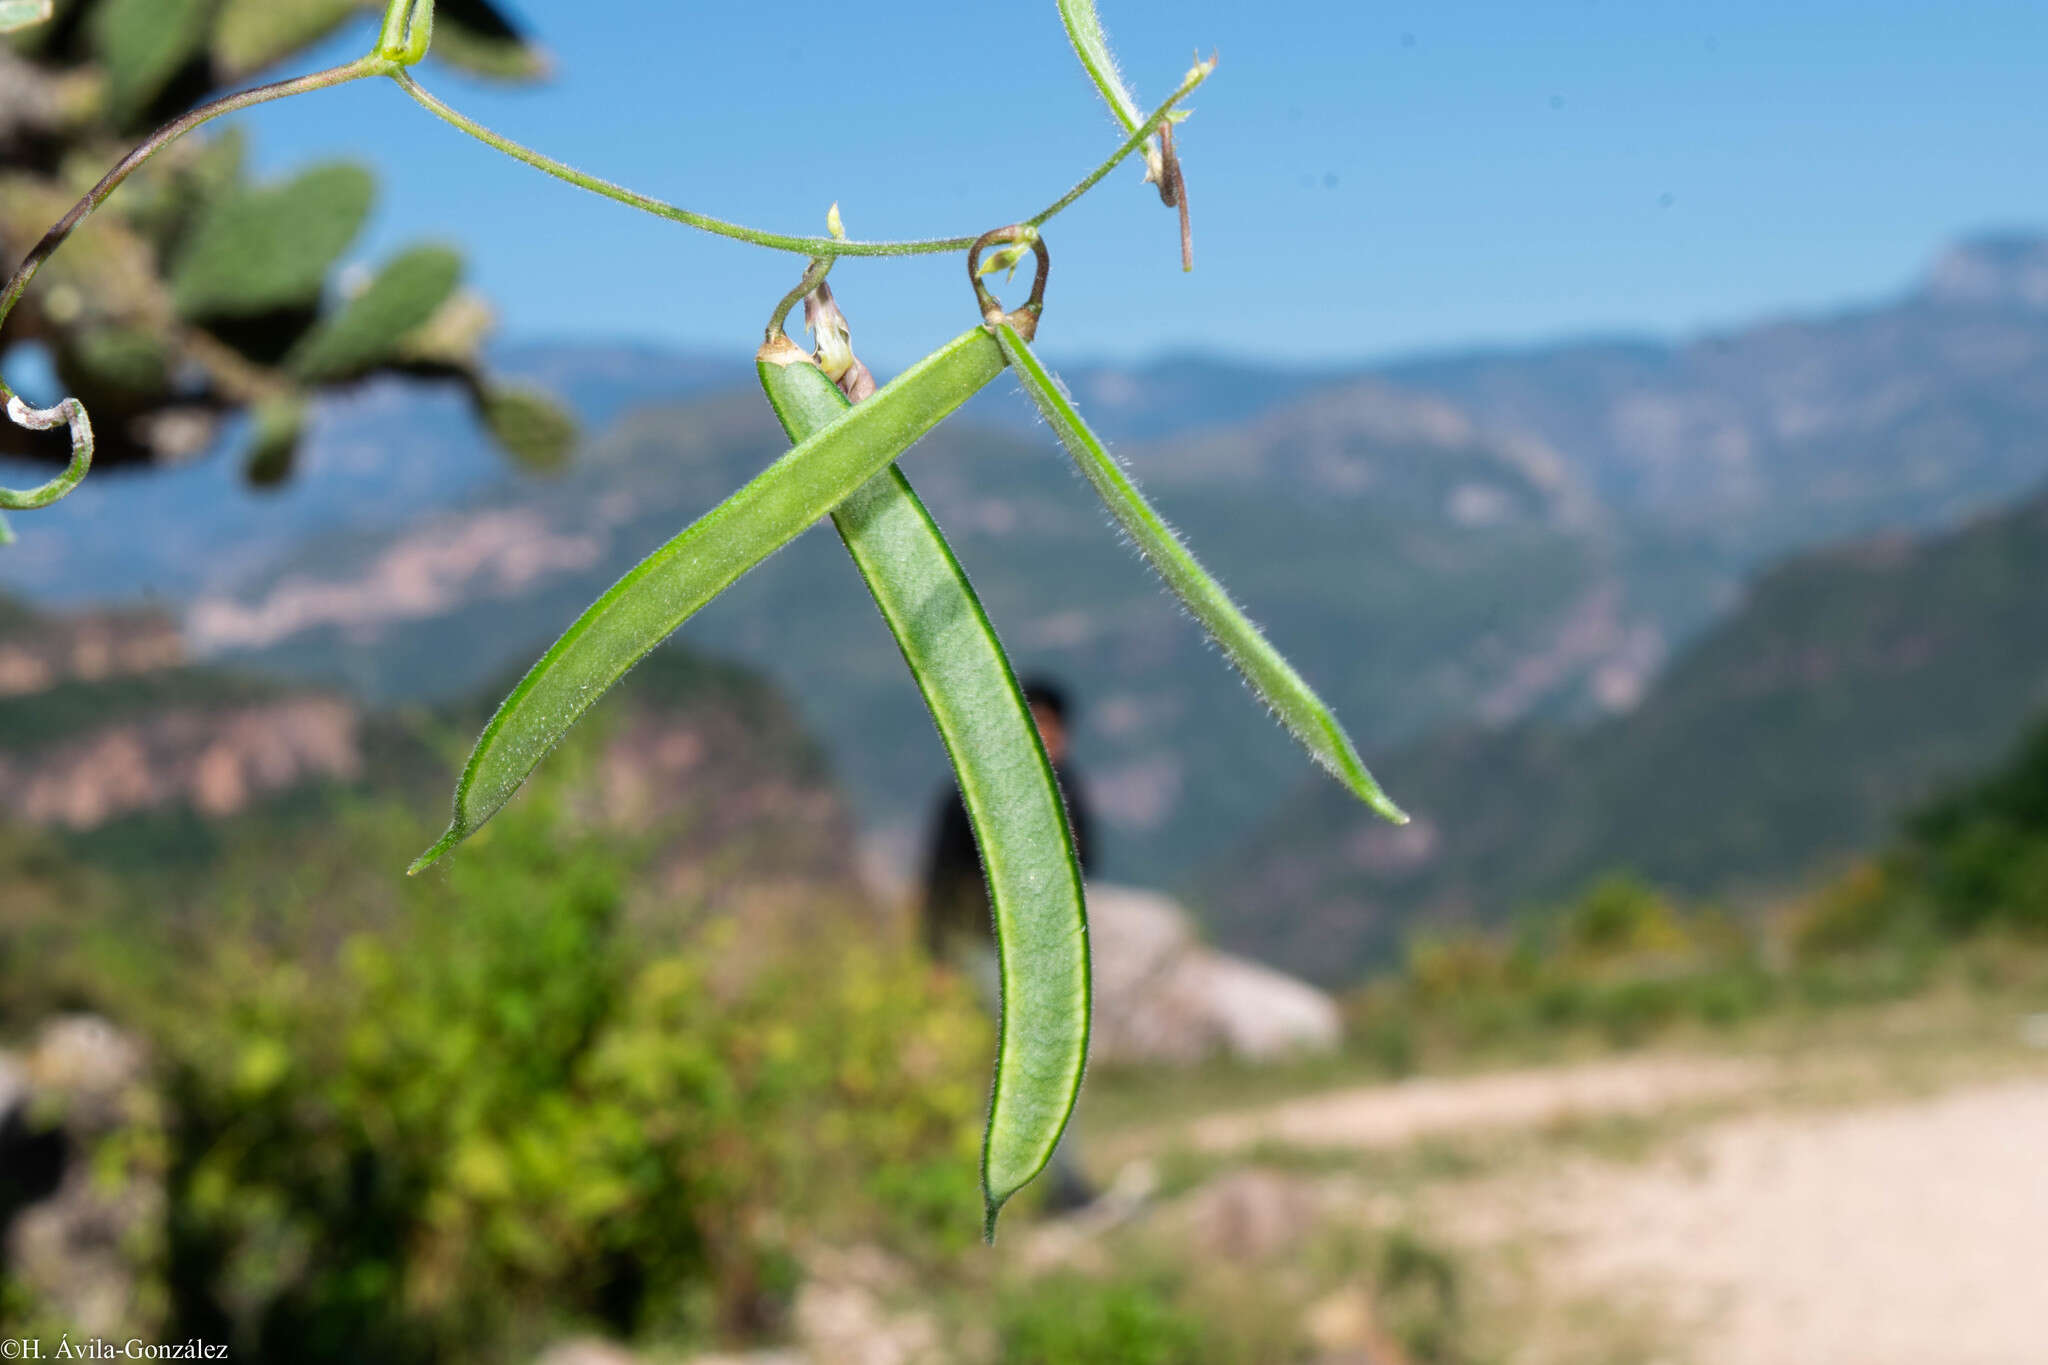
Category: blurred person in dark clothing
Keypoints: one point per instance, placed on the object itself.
(958, 922)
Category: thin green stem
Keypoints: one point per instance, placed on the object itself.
(814, 275)
(806, 246)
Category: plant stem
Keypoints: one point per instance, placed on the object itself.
(777, 241)
(814, 275)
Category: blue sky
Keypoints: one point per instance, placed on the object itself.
(1367, 179)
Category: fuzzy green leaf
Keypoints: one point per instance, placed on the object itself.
(528, 425)
(251, 34)
(143, 43)
(666, 588)
(369, 328)
(271, 248)
(1271, 676)
(1006, 783)
(477, 37)
(132, 361)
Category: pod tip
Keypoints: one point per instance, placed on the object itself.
(448, 840)
(992, 1207)
(1385, 808)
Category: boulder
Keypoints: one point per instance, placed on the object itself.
(1161, 995)
(86, 1240)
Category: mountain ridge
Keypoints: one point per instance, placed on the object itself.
(1851, 684)
(117, 747)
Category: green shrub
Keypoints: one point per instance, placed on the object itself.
(1620, 964)
(494, 1109)
(1076, 1320)
(1618, 916)
(1979, 855)
(1855, 911)
(1419, 1294)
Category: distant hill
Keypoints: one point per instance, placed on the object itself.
(116, 748)
(1761, 440)
(1849, 685)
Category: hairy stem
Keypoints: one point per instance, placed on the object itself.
(814, 275)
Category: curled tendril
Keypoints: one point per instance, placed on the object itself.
(1021, 235)
(70, 412)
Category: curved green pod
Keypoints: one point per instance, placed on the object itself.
(1006, 782)
(661, 592)
(1303, 713)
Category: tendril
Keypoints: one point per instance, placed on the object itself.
(70, 412)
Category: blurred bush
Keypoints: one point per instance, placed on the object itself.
(1978, 858)
(1971, 862)
(451, 1118)
(1962, 887)
(1620, 962)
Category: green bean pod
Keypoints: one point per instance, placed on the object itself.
(661, 592)
(1303, 713)
(1006, 782)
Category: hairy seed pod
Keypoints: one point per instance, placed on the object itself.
(1304, 714)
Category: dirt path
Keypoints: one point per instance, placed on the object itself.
(1383, 1116)
(1906, 1234)
(1761, 1213)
